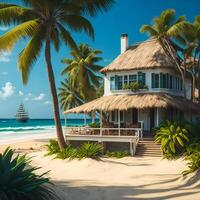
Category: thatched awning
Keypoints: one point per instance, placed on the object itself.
(146, 55)
(139, 101)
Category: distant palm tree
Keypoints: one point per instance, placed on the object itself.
(189, 39)
(165, 27)
(83, 70)
(69, 96)
(44, 22)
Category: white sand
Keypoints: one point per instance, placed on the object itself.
(117, 179)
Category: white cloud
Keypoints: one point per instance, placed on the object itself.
(5, 56)
(7, 91)
(21, 93)
(4, 73)
(47, 102)
(4, 28)
(26, 99)
(40, 97)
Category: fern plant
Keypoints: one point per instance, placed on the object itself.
(18, 180)
(68, 152)
(173, 137)
(117, 154)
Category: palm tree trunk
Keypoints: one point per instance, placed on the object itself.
(61, 140)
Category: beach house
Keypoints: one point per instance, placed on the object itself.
(142, 88)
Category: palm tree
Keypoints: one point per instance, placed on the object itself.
(45, 23)
(69, 96)
(83, 70)
(165, 28)
(189, 39)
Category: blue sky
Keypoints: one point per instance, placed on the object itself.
(126, 16)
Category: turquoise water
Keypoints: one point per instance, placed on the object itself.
(12, 131)
(11, 125)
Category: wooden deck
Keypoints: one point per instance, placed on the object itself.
(130, 136)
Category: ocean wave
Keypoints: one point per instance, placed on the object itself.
(27, 128)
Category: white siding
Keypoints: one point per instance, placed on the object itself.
(148, 73)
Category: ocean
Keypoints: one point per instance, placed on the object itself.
(13, 131)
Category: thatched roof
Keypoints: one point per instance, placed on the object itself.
(139, 101)
(146, 55)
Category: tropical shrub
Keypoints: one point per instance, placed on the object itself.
(89, 150)
(193, 162)
(173, 137)
(52, 147)
(95, 125)
(68, 152)
(117, 154)
(135, 86)
(18, 180)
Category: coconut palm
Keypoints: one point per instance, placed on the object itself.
(69, 96)
(45, 23)
(190, 40)
(165, 28)
(83, 70)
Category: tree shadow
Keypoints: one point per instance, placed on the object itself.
(81, 189)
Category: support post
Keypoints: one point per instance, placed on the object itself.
(93, 116)
(65, 116)
(119, 122)
(157, 117)
(84, 119)
(101, 123)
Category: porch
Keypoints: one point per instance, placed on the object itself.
(124, 118)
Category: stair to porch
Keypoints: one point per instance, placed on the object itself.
(147, 147)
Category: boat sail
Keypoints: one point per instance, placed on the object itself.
(22, 115)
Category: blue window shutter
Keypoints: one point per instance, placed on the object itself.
(116, 82)
(161, 80)
(152, 80)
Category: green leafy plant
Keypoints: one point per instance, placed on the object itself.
(193, 162)
(135, 86)
(68, 152)
(173, 137)
(95, 125)
(52, 147)
(18, 180)
(89, 150)
(117, 154)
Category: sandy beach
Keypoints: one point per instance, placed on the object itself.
(113, 179)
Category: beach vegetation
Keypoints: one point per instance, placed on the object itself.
(117, 154)
(83, 78)
(95, 125)
(89, 150)
(173, 137)
(19, 180)
(46, 24)
(86, 150)
(52, 147)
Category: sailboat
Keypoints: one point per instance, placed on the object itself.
(22, 115)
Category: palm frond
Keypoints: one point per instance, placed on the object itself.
(23, 30)
(13, 14)
(66, 37)
(79, 23)
(149, 30)
(30, 53)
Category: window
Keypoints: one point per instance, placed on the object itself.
(154, 80)
(170, 82)
(120, 82)
(141, 78)
(112, 83)
(132, 78)
(125, 79)
(114, 116)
